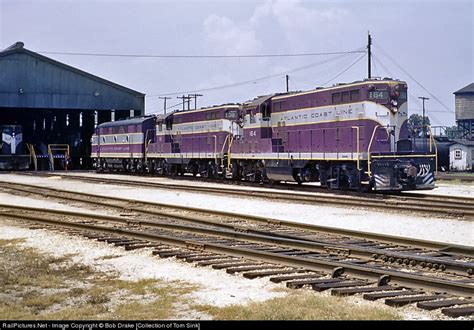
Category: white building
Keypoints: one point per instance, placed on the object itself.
(461, 155)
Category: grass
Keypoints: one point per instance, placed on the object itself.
(35, 286)
(299, 305)
(29, 268)
(43, 287)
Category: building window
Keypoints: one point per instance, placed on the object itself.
(457, 154)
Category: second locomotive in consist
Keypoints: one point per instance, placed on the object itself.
(349, 136)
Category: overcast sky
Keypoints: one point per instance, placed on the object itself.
(432, 41)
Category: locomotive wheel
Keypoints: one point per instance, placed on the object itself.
(236, 173)
(208, 174)
(174, 170)
(365, 188)
(255, 177)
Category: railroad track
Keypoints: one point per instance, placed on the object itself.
(220, 218)
(421, 204)
(453, 177)
(296, 261)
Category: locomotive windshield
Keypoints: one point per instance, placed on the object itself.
(403, 96)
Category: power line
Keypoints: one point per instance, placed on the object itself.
(165, 98)
(412, 97)
(375, 67)
(167, 108)
(436, 111)
(199, 56)
(345, 70)
(280, 74)
(409, 75)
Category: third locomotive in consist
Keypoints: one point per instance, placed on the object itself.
(349, 136)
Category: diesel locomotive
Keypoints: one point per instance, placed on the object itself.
(13, 155)
(348, 136)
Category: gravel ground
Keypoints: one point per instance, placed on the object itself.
(447, 230)
(215, 287)
(465, 189)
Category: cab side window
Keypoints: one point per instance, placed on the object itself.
(169, 123)
(265, 109)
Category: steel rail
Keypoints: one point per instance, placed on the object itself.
(453, 177)
(409, 202)
(291, 190)
(457, 288)
(258, 236)
(140, 207)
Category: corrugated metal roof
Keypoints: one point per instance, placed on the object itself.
(468, 89)
(18, 47)
(30, 80)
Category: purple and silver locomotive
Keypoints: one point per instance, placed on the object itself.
(120, 145)
(349, 136)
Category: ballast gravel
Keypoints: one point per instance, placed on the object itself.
(449, 230)
(215, 288)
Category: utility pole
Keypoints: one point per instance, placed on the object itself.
(164, 105)
(369, 54)
(195, 96)
(187, 98)
(423, 122)
(287, 83)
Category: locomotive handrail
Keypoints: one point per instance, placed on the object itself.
(228, 151)
(57, 147)
(215, 148)
(33, 157)
(432, 143)
(222, 150)
(147, 142)
(368, 150)
(432, 140)
(358, 149)
(223, 145)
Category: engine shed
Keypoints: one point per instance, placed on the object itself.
(57, 105)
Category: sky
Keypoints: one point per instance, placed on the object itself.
(428, 44)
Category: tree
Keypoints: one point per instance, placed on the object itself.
(453, 132)
(415, 124)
